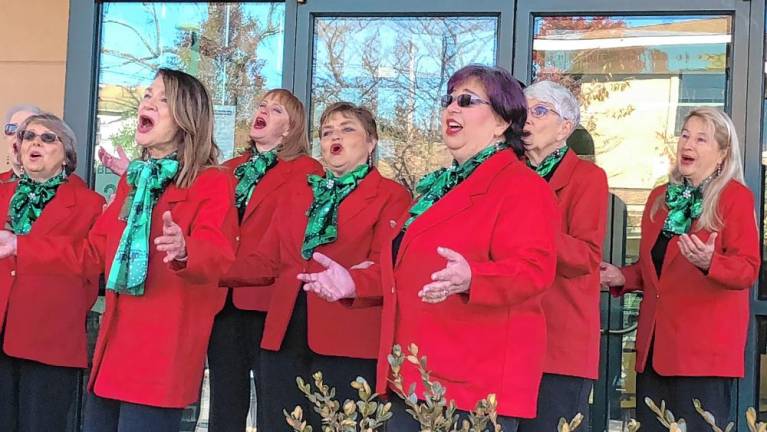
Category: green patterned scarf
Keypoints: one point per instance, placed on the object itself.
(433, 186)
(30, 199)
(550, 162)
(329, 191)
(685, 204)
(148, 180)
(250, 173)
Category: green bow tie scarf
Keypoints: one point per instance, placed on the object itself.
(148, 180)
(550, 162)
(29, 200)
(435, 185)
(329, 192)
(250, 173)
(685, 204)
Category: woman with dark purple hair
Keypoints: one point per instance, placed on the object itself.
(469, 261)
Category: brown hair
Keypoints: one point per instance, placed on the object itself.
(350, 110)
(296, 143)
(61, 129)
(190, 105)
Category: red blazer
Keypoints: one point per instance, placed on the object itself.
(258, 214)
(44, 315)
(6, 175)
(363, 217)
(700, 321)
(151, 349)
(571, 304)
(503, 219)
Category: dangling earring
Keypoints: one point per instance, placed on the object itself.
(370, 159)
(718, 169)
(64, 170)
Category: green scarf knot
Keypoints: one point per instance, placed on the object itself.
(550, 162)
(30, 199)
(250, 173)
(435, 185)
(685, 204)
(148, 180)
(328, 191)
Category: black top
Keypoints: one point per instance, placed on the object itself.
(395, 244)
(658, 251)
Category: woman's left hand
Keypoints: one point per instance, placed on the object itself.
(697, 252)
(455, 278)
(171, 241)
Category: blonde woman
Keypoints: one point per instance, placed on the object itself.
(698, 257)
(163, 244)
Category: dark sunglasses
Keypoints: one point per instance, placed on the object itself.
(463, 100)
(10, 128)
(540, 111)
(46, 137)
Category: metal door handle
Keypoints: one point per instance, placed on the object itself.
(622, 331)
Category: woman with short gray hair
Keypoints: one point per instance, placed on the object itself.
(13, 118)
(43, 342)
(571, 304)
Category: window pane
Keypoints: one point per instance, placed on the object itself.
(397, 67)
(761, 341)
(636, 78)
(234, 48)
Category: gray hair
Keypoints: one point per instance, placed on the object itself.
(60, 128)
(20, 108)
(563, 101)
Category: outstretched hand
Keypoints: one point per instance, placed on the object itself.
(332, 284)
(171, 241)
(455, 278)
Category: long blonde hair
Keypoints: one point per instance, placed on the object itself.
(731, 167)
(190, 105)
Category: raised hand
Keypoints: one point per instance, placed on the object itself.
(455, 278)
(697, 252)
(117, 164)
(332, 284)
(171, 241)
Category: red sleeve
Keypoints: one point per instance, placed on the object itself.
(367, 281)
(633, 275)
(259, 266)
(735, 264)
(579, 251)
(523, 255)
(211, 236)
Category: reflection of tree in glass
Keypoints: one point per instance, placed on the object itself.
(398, 68)
(220, 50)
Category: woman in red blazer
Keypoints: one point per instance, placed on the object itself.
(162, 244)
(698, 257)
(343, 214)
(571, 304)
(470, 261)
(42, 317)
(276, 157)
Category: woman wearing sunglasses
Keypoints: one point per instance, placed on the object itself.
(463, 272)
(572, 303)
(162, 244)
(42, 316)
(343, 214)
(13, 118)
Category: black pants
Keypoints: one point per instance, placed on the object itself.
(715, 393)
(35, 396)
(559, 396)
(233, 352)
(279, 370)
(108, 415)
(402, 421)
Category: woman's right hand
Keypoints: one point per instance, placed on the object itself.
(333, 284)
(7, 244)
(610, 275)
(117, 164)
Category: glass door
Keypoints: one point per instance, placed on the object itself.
(637, 72)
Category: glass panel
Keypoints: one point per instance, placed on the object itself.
(761, 340)
(397, 67)
(234, 48)
(636, 78)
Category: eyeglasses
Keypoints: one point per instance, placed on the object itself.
(10, 129)
(46, 137)
(463, 100)
(540, 111)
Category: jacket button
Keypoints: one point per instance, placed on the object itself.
(237, 239)
(657, 295)
(392, 289)
(13, 272)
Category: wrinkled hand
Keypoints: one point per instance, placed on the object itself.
(455, 278)
(610, 275)
(697, 252)
(7, 244)
(171, 241)
(109, 201)
(117, 164)
(333, 284)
